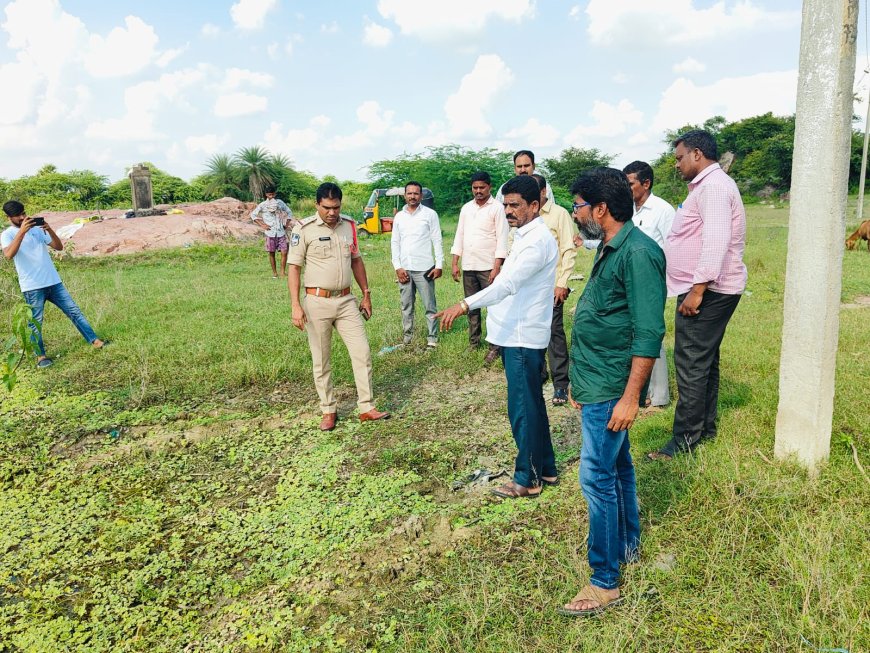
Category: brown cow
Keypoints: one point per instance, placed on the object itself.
(861, 233)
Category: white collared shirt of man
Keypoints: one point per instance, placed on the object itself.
(416, 242)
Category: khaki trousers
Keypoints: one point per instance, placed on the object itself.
(341, 313)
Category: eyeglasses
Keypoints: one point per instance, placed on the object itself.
(581, 205)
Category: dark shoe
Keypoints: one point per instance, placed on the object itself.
(516, 491)
(552, 481)
(560, 396)
(372, 415)
(672, 448)
(45, 362)
(491, 355)
(328, 421)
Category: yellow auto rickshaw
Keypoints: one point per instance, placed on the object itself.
(372, 222)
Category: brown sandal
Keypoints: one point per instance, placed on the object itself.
(516, 491)
(589, 593)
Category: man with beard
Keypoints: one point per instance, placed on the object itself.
(616, 337)
(520, 302)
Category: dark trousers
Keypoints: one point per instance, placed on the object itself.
(527, 413)
(557, 351)
(474, 281)
(696, 361)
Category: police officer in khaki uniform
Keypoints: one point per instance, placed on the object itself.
(326, 245)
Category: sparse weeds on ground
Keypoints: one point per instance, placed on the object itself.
(173, 493)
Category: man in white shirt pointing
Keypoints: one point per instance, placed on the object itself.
(520, 301)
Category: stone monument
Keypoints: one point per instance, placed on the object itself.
(143, 196)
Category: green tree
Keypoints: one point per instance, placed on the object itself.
(51, 190)
(562, 170)
(256, 165)
(222, 177)
(446, 170)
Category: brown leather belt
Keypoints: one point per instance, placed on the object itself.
(323, 292)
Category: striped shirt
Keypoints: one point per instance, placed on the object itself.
(708, 236)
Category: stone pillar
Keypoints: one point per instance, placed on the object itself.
(817, 224)
(140, 182)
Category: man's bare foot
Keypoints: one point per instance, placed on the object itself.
(590, 600)
(98, 344)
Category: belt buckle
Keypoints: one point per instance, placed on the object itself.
(333, 293)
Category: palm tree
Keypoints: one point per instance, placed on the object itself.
(255, 163)
(223, 176)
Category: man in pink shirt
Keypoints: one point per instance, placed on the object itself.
(481, 242)
(705, 272)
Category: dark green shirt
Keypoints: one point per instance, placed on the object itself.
(619, 315)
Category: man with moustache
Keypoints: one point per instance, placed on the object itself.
(481, 243)
(706, 273)
(520, 301)
(326, 245)
(524, 164)
(416, 235)
(617, 333)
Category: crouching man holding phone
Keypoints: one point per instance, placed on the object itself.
(326, 244)
(25, 244)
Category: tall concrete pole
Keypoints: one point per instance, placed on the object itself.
(817, 225)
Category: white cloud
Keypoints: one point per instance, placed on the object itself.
(640, 23)
(684, 102)
(231, 105)
(237, 77)
(466, 108)
(292, 141)
(168, 56)
(210, 30)
(374, 35)
(620, 78)
(206, 143)
(251, 14)
(124, 51)
(609, 120)
(451, 19)
(142, 102)
(639, 138)
(689, 65)
(534, 134)
(376, 122)
(331, 28)
(575, 12)
(24, 78)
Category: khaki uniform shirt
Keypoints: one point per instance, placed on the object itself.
(560, 225)
(324, 252)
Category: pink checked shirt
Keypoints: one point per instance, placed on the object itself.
(708, 236)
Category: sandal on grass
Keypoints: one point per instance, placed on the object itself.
(589, 593)
(515, 491)
(552, 481)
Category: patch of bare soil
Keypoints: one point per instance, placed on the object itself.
(861, 301)
(211, 222)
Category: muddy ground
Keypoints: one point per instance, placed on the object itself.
(211, 222)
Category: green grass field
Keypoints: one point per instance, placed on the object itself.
(173, 492)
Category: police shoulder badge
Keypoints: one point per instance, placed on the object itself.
(294, 239)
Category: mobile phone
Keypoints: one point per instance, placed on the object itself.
(38, 221)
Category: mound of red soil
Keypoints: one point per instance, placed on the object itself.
(222, 220)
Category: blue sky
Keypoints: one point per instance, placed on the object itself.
(335, 85)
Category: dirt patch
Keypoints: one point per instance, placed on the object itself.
(861, 301)
(211, 222)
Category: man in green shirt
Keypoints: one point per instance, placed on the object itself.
(616, 337)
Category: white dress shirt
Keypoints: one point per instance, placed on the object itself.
(655, 218)
(481, 235)
(414, 237)
(521, 297)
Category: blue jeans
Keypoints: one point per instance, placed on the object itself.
(60, 297)
(528, 415)
(607, 481)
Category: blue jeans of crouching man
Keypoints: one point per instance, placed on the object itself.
(527, 413)
(608, 483)
(60, 297)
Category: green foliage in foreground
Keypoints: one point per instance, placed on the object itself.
(173, 493)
